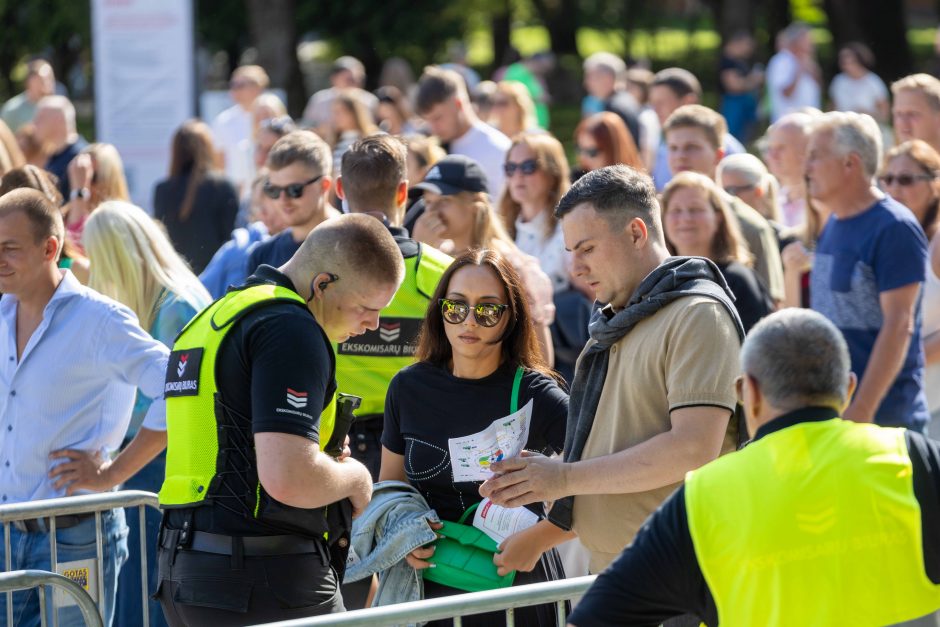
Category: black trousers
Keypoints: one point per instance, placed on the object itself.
(198, 588)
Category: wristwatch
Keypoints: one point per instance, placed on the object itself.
(84, 193)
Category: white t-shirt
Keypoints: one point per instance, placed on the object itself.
(488, 147)
(231, 131)
(550, 252)
(858, 94)
(781, 71)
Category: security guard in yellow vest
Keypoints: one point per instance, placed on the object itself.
(249, 498)
(375, 181)
(817, 521)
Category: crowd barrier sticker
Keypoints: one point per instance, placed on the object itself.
(83, 575)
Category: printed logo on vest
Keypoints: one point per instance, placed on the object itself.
(395, 337)
(390, 331)
(296, 399)
(182, 373)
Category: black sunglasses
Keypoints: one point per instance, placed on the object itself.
(904, 180)
(486, 314)
(589, 152)
(294, 190)
(529, 166)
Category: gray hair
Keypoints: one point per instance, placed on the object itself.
(61, 104)
(753, 170)
(607, 61)
(798, 358)
(793, 32)
(853, 133)
(797, 120)
(618, 193)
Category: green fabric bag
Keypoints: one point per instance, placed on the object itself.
(463, 555)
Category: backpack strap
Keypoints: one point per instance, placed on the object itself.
(516, 382)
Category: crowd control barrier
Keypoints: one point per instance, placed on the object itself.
(15, 580)
(83, 582)
(504, 599)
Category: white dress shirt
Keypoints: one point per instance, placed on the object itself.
(74, 385)
(231, 129)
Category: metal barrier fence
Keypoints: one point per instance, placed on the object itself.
(505, 599)
(84, 504)
(25, 579)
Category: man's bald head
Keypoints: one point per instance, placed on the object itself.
(356, 246)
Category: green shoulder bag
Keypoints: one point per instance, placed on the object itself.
(463, 555)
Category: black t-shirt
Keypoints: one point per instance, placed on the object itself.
(750, 298)
(275, 373)
(209, 224)
(425, 406)
(741, 66)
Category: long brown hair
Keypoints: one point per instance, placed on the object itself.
(520, 345)
(613, 139)
(192, 155)
(360, 113)
(728, 245)
(550, 156)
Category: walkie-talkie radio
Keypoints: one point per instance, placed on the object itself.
(346, 404)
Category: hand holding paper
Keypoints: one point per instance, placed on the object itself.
(472, 455)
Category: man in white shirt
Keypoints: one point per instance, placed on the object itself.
(232, 128)
(71, 361)
(793, 76)
(443, 103)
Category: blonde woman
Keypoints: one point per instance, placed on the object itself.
(460, 218)
(96, 174)
(745, 176)
(133, 262)
(537, 176)
(699, 223)
(513, 110)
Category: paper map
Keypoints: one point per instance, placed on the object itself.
(471, 455)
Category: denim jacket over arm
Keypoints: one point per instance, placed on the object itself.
(393, 525)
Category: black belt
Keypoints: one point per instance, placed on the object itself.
(252, 546)
(41, 525)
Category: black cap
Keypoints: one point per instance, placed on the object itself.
(454, 174)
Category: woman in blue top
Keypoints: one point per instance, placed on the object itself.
(477, 332)
(133, 262)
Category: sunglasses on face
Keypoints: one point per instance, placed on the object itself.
(294, 190)
(486, 314)
(529, 166)
(589, 152)
(904, 180)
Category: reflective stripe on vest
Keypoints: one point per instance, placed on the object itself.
(192, 426)
(816, 524)
(365, 364)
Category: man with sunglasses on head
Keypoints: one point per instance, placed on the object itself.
(254, 528)
(299, 182)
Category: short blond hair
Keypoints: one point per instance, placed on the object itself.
(253, 73)
(925, 84)
(701, 117)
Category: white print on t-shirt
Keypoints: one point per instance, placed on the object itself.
(472, 455)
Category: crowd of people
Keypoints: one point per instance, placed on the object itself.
(427, 257)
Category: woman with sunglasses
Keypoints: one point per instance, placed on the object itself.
(911, 176)
(602, 140)
(460, 217)
(536, 178)
(477, 333)
(196, 203)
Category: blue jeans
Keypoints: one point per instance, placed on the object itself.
(31, 551)
(128, 610)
